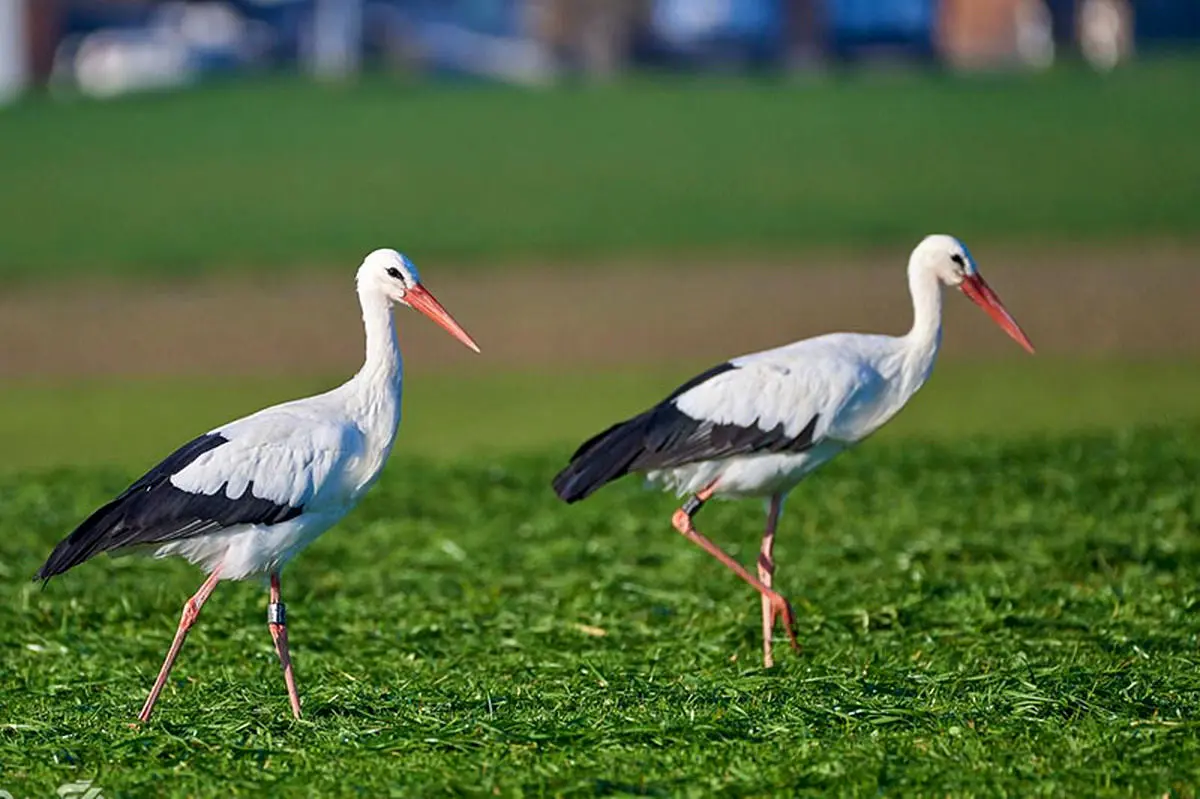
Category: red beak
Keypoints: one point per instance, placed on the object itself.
(982, 295)
(420, 298)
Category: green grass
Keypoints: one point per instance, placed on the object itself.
(133, 423)
(980, 617)
(278, 173)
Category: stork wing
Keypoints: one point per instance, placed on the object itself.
(264, 469)
(760, 404)
(769, 402)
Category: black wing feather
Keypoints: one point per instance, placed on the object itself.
(154, 511)
(665, 437)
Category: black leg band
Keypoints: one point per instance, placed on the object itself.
(692, 505)
(276, 613)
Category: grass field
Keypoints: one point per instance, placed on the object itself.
(278, 173)
(988, 617)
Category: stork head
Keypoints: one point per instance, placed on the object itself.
(393, 276)
(949, 260)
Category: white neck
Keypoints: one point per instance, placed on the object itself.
(922, 342)
(374, 393)
(382, 362)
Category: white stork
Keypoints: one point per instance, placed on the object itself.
(246, 497)
(754, 426)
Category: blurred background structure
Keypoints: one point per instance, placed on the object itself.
(998, 591)
(186, 188)
(106, 47)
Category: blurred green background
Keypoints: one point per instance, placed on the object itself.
(280, 173)
(253, 201)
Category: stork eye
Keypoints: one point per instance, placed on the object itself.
(394, 272)
(958, 259)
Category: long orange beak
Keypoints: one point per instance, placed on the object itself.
(982, 295)
(420, 298)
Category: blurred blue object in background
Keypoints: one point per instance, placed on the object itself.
(106, 47)
(1167, 21)
(485, 38)
(860, 28)
(711, 33)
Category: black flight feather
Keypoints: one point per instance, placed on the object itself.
(154, 511)
(665, 437)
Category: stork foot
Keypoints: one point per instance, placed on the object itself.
(781, 607)
(682, 521)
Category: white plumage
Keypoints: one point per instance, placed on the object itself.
(757, 424)
(315, 454)
(246, 497)
(819, 379)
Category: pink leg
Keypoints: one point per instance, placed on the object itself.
(191, 611)
(277, 621)
(766, 569)
(682, 521)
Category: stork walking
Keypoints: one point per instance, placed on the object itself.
(754, 426)
(246, 497)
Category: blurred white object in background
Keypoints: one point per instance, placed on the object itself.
(335, 38)
(208, 26)
(1034, 29)
(181, 42)
(14, 60)
(683, 21)
(113, 62)
(1106, 32)
(520, 61)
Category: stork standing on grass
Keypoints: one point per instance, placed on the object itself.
(754, 426)
(246, 497)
